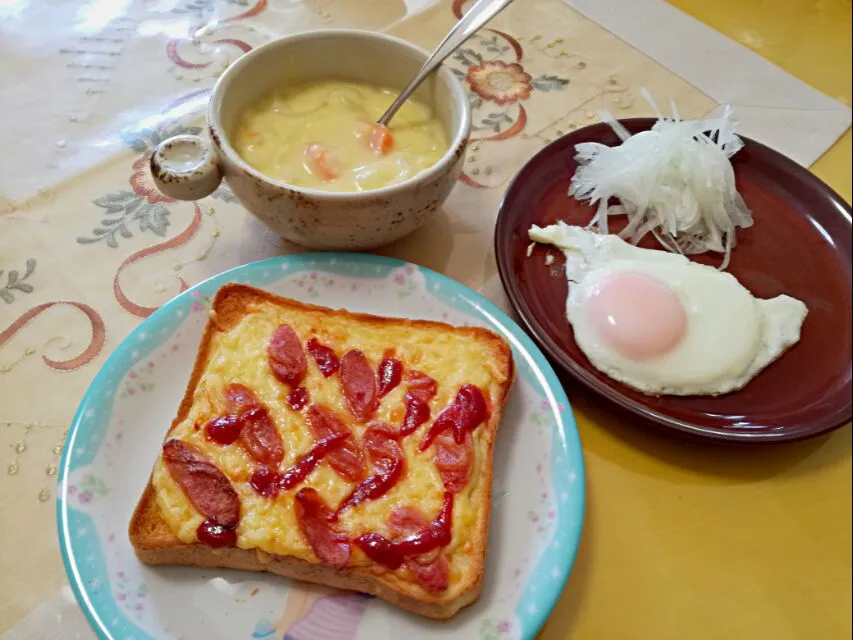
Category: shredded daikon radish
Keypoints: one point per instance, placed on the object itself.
(675, 181)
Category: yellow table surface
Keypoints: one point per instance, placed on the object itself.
(684, 541)
(681, 541)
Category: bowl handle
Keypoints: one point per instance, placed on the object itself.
(185, 168)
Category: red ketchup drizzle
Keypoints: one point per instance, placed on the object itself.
(465, 413)
(310, 459)
(389, 464)
(375, 486)
(417, 412)
(249, 422)
(421, 385)
(392, 554)
(224, 430)
(390, 374)
(324, 356)
(215, 535)
(298, 398)
(268, 482)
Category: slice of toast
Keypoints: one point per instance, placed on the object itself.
(415, 428)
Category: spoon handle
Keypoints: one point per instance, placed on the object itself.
(479, 14)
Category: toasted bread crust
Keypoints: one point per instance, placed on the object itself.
(155, 543)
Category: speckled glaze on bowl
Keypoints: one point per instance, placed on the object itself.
(313, 218)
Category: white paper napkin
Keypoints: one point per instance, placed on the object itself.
(772, 106)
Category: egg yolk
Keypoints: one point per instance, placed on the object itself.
(636, 315)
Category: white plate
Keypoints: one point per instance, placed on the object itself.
(538, 501)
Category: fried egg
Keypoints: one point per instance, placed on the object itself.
(662, 324)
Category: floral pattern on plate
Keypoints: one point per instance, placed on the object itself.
(116, 435)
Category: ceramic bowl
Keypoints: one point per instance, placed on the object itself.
(190, 167)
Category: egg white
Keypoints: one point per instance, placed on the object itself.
(731, 335)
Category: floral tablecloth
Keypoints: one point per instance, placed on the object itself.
(89, 248)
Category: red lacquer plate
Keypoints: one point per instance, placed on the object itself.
(800, 245)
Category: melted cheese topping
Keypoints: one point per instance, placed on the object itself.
(274, 134)
(240, 355)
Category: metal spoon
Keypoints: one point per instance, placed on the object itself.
(477, 16)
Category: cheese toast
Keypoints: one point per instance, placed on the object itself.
(344, 449)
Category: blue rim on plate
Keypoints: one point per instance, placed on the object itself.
(88, 427)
